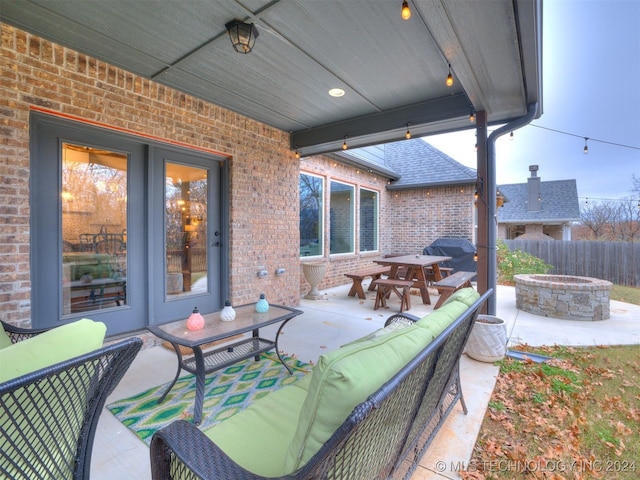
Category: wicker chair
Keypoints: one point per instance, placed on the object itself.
(48, 418)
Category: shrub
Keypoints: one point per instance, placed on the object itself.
(517, 262)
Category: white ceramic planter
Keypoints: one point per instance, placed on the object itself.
(313, 273)
(488, 339)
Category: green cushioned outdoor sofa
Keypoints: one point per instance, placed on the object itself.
(368, 409)
(53, 385)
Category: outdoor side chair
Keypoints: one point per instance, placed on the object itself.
(48, 418)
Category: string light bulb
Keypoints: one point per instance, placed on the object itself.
(406, 11)
(511, 136)
(408, 134)
(586, 147)
(344, 144)
(297, 154)
(472, 115)
(449, 81)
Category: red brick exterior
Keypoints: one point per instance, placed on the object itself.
(263, 174)
(264, 221)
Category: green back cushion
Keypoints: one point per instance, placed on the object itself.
(455, 305)
(258, 437)
(54, 410)
(5, 341)
(346, 377)
(48, 348)
(465, 295)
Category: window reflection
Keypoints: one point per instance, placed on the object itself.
(186, 230)
(94, 225)
(311, 195)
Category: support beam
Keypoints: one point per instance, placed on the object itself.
(361, 130)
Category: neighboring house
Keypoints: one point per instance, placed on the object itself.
(360, 204)
(538, 210)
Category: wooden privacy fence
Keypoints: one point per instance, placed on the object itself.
(618, 262)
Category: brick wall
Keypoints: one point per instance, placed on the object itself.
(34, 73)
(338, 265)
(429, 214)
(409, 219)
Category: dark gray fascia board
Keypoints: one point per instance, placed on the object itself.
(548, 221)
(407, 186)
(369, 166)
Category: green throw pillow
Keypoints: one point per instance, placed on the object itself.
(51, 347)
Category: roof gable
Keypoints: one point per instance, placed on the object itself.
(558, 203)
(416, 163)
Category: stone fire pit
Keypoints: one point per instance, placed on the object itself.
(563, 296)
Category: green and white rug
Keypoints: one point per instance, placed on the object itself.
(226, 392)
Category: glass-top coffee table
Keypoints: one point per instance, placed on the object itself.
(204, 361)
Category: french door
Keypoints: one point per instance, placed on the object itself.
(187, 248)
(122, 231)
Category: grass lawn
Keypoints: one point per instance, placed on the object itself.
(576, 416)
(625, 294)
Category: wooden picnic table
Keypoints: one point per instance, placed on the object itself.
(415, 270)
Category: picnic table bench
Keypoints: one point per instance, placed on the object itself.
(402, 288)
(450, 284)
(374, 272)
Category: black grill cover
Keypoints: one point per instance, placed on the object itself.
(460, 249)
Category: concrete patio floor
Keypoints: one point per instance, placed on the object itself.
(337, 319)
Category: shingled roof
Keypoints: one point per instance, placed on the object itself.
(414, 163)
(558, 203)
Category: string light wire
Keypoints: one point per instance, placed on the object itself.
(591, 139)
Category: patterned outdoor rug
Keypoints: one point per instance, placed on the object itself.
(226, 393)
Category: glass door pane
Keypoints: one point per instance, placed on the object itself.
(94, 229)
(186, 191)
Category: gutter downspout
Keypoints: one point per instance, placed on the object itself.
(492, 233)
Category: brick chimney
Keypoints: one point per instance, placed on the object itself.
(533, 187)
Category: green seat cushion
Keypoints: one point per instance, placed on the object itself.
(51, 347)
(344, 378)
(257, 438)
(5, 341)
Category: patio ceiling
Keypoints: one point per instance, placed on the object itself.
(392, 71)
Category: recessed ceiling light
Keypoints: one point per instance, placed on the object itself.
(336, 92)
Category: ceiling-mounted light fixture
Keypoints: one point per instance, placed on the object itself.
(297, 152)
(344, 144)
(472, 115)
(243, 35)
(586, 147)
(406, 11)
(408, 134)
(449, 81)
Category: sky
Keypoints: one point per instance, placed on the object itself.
(591, 88)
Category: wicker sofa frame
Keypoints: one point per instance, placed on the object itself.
(384, 437)
(65, 401)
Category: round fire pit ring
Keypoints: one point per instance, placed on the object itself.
(563, 296)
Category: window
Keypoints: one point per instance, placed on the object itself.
(341, 202)
(311, 218)
(368, 220)
(341, 198)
